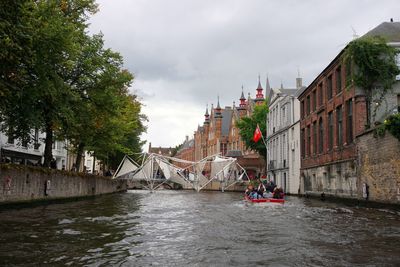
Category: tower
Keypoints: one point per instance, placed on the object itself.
(259, 95)
(242, 105)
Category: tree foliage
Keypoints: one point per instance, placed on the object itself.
(60, 80)
(247, 126)
(374, 67)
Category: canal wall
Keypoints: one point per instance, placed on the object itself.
(379, 167)
(335, 180)
(25, 184)
(373, 175)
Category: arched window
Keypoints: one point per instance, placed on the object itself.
(321, 136)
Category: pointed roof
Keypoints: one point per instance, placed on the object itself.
(242, 96)
(218, 110)
(259, 84)
(267, 88)
(206, 114)
(218, 106)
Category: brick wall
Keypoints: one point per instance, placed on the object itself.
(379, 167)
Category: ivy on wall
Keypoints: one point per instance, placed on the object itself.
(374, 68)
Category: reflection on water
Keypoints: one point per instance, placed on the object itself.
(177, 228)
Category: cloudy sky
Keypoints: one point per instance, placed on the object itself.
(186, 53)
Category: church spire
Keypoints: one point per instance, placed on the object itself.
(242, 99)
(218, 110)
(259, 94)
(206, 116)
(267, 88)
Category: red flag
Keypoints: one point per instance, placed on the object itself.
(257, 135)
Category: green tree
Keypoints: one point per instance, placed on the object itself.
(16, 51)
(105, 114)
(52, 37)
(58, 79)
(374, 68)
(247, 126)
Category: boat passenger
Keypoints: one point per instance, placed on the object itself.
(249, 189)
(278, 193)
(254, 193)
(260, 189)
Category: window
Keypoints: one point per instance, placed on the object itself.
(308, 105)
(303, 143)
(321, 136)
(338, 77)
(314, 100)
(330, 130)
(329, 87)
(302, 109)
(321, 94)
(315, 137)
(339, 131)
(349, 121)
(308, 140)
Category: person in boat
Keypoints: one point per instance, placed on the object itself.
(251, 192)
(271, 186)
(278, 193)
(260, 189)
(249, 189)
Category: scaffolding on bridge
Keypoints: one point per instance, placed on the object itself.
(157, 169)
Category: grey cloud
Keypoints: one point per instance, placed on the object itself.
(191, 51)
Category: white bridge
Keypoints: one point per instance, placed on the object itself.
(157, 169)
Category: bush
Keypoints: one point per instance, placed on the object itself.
(392, 124)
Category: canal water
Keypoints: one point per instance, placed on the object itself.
(184, 228)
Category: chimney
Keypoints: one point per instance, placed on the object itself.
(391, 19)
(299, 82)
(187, 138)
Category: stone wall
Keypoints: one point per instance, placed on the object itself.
(338, 179)
(24, 184)
(379, 167)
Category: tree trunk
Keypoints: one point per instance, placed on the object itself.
(48, 149)
(79, 153)
(94, 164)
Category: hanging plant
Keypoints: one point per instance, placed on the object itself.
(374, 68)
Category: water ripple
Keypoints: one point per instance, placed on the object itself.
(185, 228)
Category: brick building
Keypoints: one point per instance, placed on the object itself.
(332, 116)
(186, 152)
(165, 151)
(219, 133)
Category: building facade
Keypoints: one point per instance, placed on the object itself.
(283, 138)
(17, 152)
(220, 135)
(332, 116)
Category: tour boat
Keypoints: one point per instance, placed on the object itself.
(262, 200)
